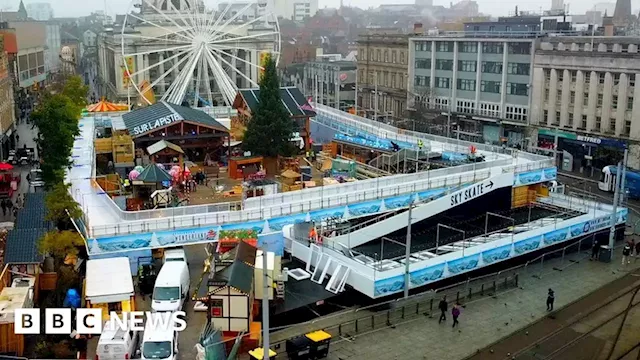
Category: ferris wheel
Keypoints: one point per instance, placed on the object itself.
(187, 52)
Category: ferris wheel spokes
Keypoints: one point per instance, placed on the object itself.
(148, 2)
(168, 31)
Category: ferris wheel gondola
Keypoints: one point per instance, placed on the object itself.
(190, 53)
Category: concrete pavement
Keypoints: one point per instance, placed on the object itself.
(484, 320)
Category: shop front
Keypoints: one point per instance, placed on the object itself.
(586, 153)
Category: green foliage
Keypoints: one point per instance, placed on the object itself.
(60, 243)
(269, 130)
(57, 121)
(58, 201)
(75, 89)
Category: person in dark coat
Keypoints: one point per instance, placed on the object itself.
(595, 250)
(455, 313)
(551, 297)
(443, 306)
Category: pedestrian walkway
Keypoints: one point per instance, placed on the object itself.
(483, 321)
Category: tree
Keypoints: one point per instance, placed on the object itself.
(60, 243)
(270, 128)
(57, 121)
(422, 114)
(58, 202)
(75, 89)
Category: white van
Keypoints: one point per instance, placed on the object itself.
(159, 344)
(174, 254)
(172, 287)
(116, 344)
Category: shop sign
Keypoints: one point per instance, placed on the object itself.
(166, 120)
(589, 139)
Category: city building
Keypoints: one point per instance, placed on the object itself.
(7, 103)
(54, 46)
(40, 11)
(31, 39)
(382, 75)
(484, 82)
(332, 83)
(586, 97)
(296, 10)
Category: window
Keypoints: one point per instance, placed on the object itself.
(601, 78)
(443, 83)
(519, 48)
(517, 89)
(507, 28)
(612, 125)
(445, 46)
(546, 115)
(216, 308)
(516, 113)
(371, 56)
(394, 56)
(476, 28)
(386, 56)
(557, 120)
(469, 47)
(583, 124)
(630, 103)
(423, 63)
(587, 77)
(570, 122)
(467, 65)
(585, 99)
(467, 85)
(492, 110)
(547, 75)
(444, 64)
(598, 123)
(492, 28)
(599, 103)
(466, 107)
(572, 97)
(574, 75)
(559, 96)
(518, 68)
(401, 57)
(423, 45)
(378, 55)
(546, 94)
(560, 74)
(490, 86)
(616, 79)
(632, 80)
(420, 80)
(492, 67)
(393, 80)
(614, 101)
(627, 128)
(492, 48)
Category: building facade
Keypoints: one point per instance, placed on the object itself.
(586, 97)
(7, 103)
(332, 83)
(54, 46)
(482, 81)
(31, 39)
(382, 75)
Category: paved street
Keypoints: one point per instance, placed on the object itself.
(483, 320)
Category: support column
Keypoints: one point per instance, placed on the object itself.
(161, 71)
(605, 124)
(621, 109)
(139, 66)
(564, 102)
(593, 99)
(635, 113)
(454, 79)
(503, 85)
(234, 64)
(578, 101)
(553, 96)
(478, 76)
(254, 70)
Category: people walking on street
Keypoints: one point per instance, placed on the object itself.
(455, 312)
(626, 252)
(443, 306)
(551, 297)
(3, 203)
(10, 206)
(595, 250)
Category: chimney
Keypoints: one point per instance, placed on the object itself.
(417, 29)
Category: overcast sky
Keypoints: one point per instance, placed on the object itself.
(64, 8)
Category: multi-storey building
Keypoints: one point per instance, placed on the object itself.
(7, 104)
(479, 79)
(332, 81)
(584, 95)
(382, 75)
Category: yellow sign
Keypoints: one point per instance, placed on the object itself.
(263, 61)
(127, 70)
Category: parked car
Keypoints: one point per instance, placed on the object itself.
(117, 344)
(158, 344)
(36, 184)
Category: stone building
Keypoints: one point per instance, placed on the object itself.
(383, 65)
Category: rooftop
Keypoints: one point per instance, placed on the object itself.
(108, 278)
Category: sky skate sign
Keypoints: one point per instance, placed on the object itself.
(476, 190)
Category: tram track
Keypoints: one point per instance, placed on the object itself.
(586, 329)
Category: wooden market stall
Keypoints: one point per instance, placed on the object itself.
(109, 286)
(241, 167)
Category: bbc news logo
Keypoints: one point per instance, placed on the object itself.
(89, 321)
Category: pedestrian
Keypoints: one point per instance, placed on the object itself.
(10, 205)
(443, 306)
(595, 251)
(626, 252)
(637, 249)
(632, 243)
(3, 203)
(551, 297)
(455, 312)
(17, 139)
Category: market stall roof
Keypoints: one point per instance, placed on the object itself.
(153, 174)
(246, 253)
(108, 280)
(290, 174)
(22, 246)
(163, 144)
(292, 99)
(105, 106)
(161, 114)
(238, 275)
